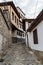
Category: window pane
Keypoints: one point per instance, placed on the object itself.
(15, 19)
(35, 36)
(12, 16)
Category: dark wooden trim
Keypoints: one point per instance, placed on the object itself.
(35, 36)
(36, 22)
(28, 20)
(13, 6)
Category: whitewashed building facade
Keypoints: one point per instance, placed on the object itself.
(35, 33)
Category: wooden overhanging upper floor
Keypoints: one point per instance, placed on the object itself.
(10, 3)
(9, 25)
(13, 14)
(36, 21)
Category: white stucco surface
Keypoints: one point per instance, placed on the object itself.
(38, 46)
(26, 24)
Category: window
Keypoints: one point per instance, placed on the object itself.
(15, 19)
(12, 16)
(19, 33)
(5, 7)
(35, 36)
(6, 13)
(20, 25)
(23, 34)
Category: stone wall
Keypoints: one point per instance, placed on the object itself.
(5, 36)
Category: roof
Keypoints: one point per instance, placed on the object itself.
(36, 21)
(28, 20)
(13, 6)
(21, 10)
(4, 19)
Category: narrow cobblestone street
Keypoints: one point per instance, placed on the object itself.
(19, 54)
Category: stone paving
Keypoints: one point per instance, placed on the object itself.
(19, 54)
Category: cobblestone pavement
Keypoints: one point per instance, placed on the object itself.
(19, 54)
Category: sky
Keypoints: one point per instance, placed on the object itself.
(30, 7)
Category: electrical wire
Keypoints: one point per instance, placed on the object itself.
(36, 8)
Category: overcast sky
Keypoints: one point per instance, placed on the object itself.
(29, 6)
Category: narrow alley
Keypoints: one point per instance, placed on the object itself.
(21, 28)
(19, 54)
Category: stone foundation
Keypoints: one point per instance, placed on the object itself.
(39, 54)
(4, 49)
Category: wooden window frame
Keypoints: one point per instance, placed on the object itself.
(15, 19)
(35, 36)
(12, 16)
